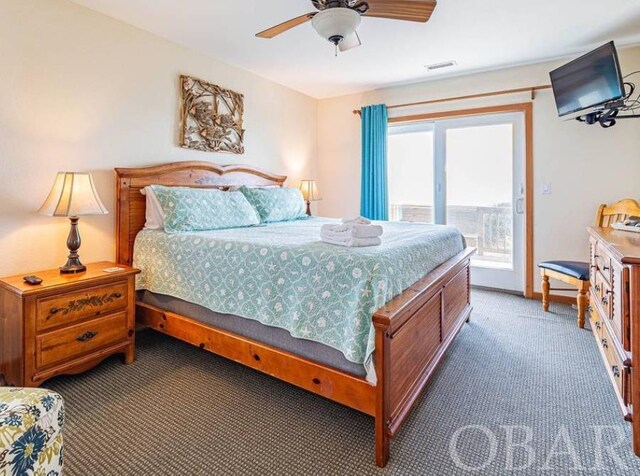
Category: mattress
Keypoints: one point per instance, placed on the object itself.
(283, 276)
(254, 330)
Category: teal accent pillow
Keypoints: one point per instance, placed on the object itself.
(276, 204)
(197, 209)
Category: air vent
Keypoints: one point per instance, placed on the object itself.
(446, 64)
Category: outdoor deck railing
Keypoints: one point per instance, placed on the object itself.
(489, 229)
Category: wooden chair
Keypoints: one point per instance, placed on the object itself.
(576, 273)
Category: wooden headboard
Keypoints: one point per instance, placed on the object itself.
(131, 204)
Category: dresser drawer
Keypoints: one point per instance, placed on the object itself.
(65, 344)
(593, 267)
(596, 322)
(601, 294)
(64, 309)
(615, 365)
(603, 262)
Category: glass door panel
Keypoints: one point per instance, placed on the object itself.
(480, 190)
(410, 173)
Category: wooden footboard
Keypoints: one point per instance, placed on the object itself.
(413, 331)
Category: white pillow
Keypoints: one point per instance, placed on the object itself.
(154, 213)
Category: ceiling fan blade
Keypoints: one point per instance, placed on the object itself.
(286, 26)
(350, 42)
(407, 10)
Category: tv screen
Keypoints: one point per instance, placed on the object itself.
(591, 80)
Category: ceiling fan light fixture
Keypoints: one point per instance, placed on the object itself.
(336, 24)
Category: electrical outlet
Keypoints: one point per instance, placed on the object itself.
(546, 188)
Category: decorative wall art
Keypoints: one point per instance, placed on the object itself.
(211, 117)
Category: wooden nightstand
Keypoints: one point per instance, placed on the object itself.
(67, 324)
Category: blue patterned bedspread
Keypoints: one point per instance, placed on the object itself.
(282, 275)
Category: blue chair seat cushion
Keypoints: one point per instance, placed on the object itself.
(575, 269)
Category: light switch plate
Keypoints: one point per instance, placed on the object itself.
(546, 188)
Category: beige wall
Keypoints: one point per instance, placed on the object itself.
(81, 91)
(586, 165)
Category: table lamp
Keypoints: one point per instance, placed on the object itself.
(310, 193)
(73, 195)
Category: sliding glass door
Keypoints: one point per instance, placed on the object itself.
(469, 173)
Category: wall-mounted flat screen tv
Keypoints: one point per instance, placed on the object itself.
(591, 80)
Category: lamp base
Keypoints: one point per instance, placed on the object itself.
(73, 264)
(308, 208)
(73, 267)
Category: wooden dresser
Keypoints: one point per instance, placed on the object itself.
(615, 314)
(65, 325)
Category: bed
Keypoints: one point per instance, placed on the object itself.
(387, 326)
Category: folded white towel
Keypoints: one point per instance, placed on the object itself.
(357, 220)
(354, 242)
(352, 230)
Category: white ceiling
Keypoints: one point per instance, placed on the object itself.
(478, 35)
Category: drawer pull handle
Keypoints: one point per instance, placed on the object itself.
(590, 308)
(117, 295)
(605, 301)
(605, 344)
(616, 371)
(55, 310)
(87, 336)
(605, 268)
(597, 288)
(598, 325)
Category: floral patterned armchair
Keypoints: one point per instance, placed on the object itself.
(31, 423)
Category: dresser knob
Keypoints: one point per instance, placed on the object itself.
(87, 336)
(616, 371)
(118, 295)
(605, 344)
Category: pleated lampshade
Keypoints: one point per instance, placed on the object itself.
(310, 192)
(73, 194)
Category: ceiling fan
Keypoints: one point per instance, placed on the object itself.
(338, 20)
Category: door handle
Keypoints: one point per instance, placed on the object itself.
(520, 206)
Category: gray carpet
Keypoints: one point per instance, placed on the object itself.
(180, 410)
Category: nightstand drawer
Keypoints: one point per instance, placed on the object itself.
(65, 344)
(68, 308)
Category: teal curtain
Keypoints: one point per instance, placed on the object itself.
(374, 199)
